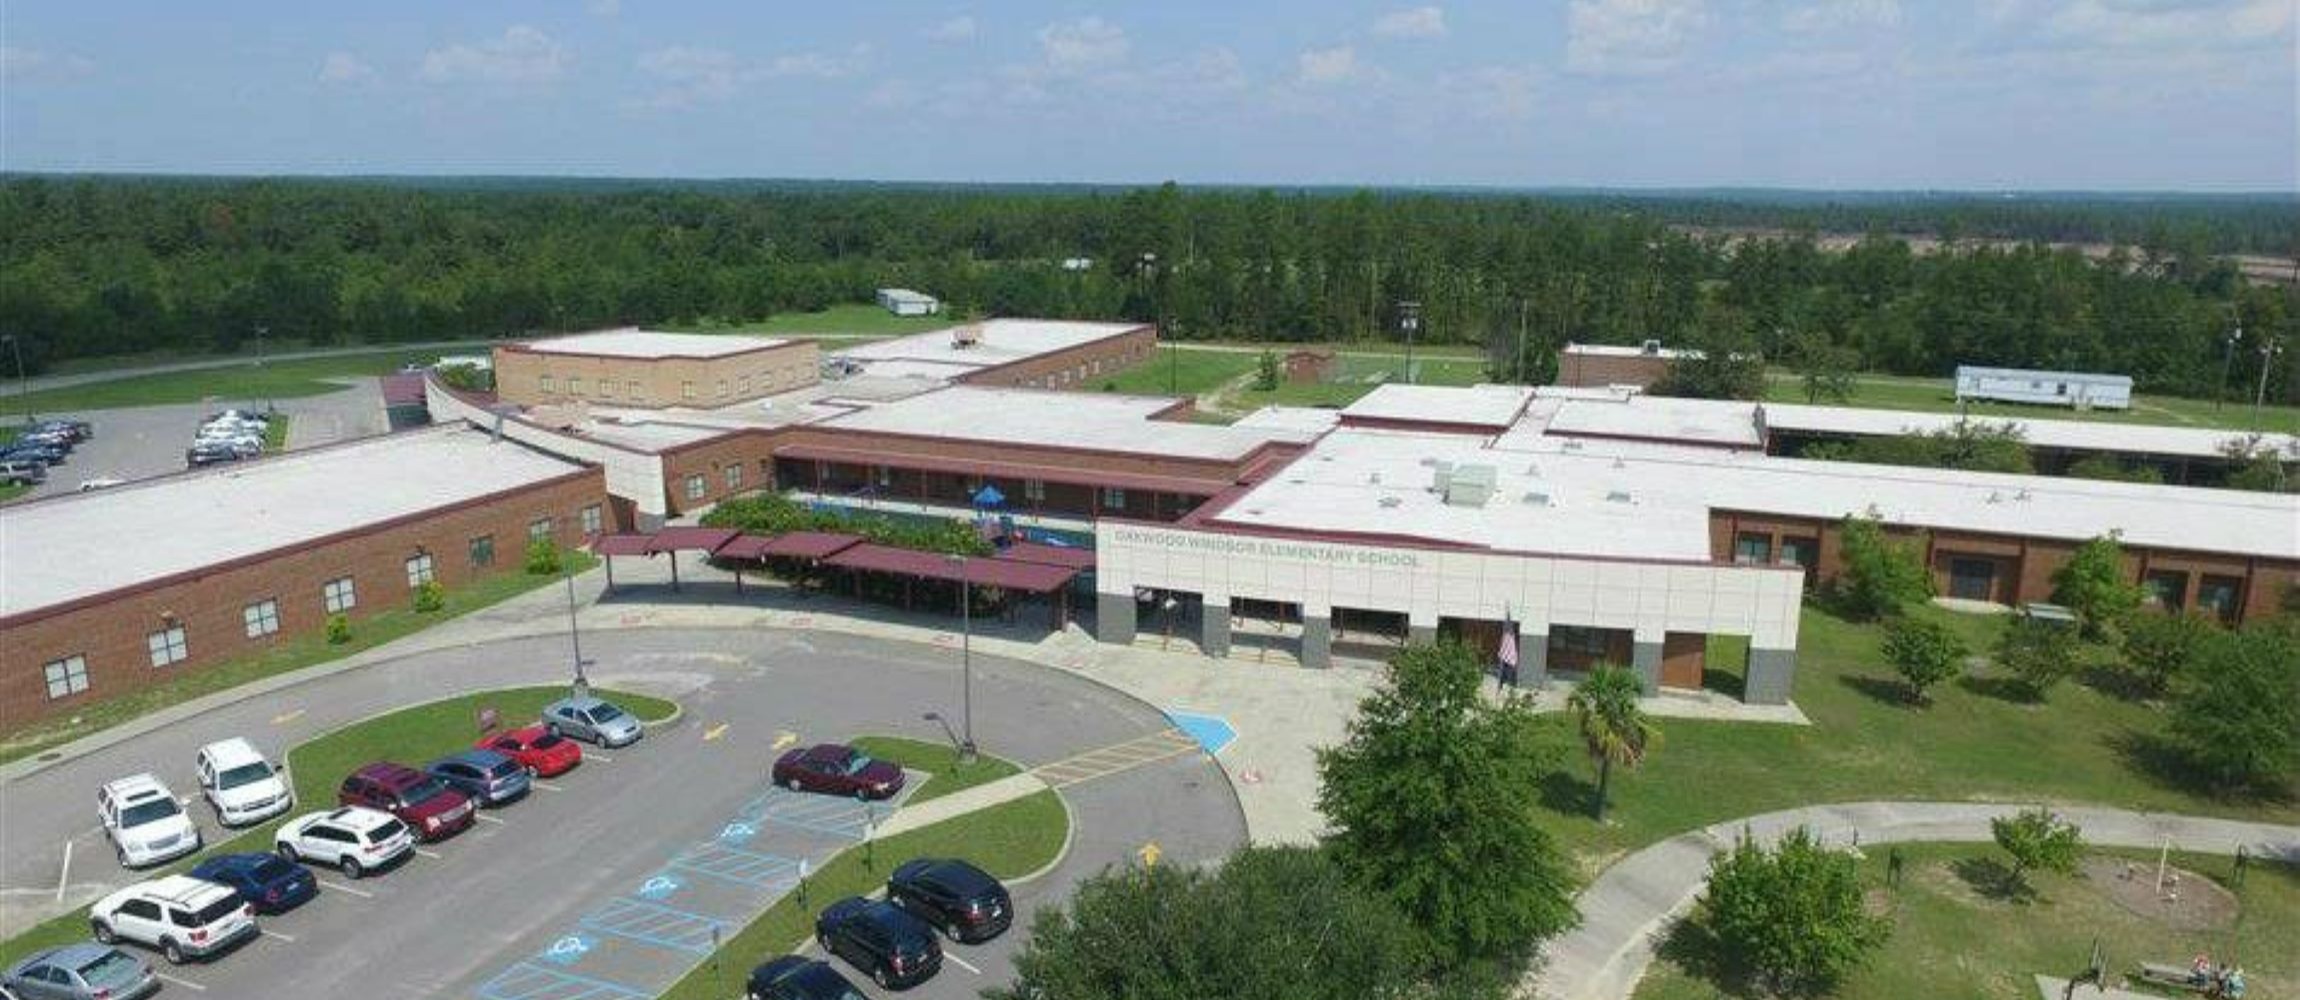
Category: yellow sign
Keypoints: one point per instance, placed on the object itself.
(715, 731)
(1149, 853)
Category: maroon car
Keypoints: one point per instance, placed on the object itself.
(837, 769)
(430, 808)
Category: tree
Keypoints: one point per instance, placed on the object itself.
(543, 557)
(1925, 652)
(2237, 710)
(2160, 647)
(1613, 728)
(1246, 929)
(2036, 840)
(1880, 575)
(2107, 468)
(1427, 799)
(2040, 654)
(2094, 585)
(1266, 371)
(1825, 369)
(1793, 916)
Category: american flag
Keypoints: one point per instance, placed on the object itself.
(1505, 656)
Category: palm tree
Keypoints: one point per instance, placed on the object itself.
(1612, 726)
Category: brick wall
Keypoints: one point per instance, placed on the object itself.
(112, 633)
(1083, 366)
(519, 375)
(1600, 370)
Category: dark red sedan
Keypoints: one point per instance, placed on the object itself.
(424, 803)
(543, 753)
(837, 769)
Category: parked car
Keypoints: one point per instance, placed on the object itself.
(430, 808)
(266, 880)
(837, 769)
(483, 776)
(354, 839)
(22, 450)
(244, 446)
(100, 483)
(210, 454)
(241, 784)
(180, 916)
(964, 902)
(893, 948)
(796, 977)
(80, 430)
(81, 971)
(543, 753)
(592, 720)
(144, 822)
(23, 472)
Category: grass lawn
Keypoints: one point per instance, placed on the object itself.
(292, 654)
(1953, 936)
(411, 736)
(1179, 372)
(1007, 840)
(853, 319)
(937, 759)
(1357, 375)
(10, 491)
(275, 432)
(239, 384)
(1977, 742)
(1937, 395)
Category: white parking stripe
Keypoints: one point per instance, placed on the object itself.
(345, 889)
(428, 852)
(546, 786)
(277, 936)
(484, 818)
(64, 876)
(185, 983)
(593, 755)
(962, 963)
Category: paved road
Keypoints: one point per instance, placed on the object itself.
(1627, 911)
(114, 374)
(144, 441)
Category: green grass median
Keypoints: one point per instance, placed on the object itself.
(317, 766)
(248, 383)
(937, 759)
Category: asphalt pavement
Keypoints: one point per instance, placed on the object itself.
(144, 441)
(561, 896)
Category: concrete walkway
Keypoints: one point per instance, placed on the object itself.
(1630, 907)
(959, 803)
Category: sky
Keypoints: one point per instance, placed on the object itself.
(1824, 94)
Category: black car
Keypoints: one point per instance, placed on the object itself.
(793, 977)
(964, 902)
(894, 948)
(268, 882)
(34, 451)
(199, 455)
(80, 430)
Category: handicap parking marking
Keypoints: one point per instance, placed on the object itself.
(737, 833)
(660, 887)
(569, 950)
(1211, 731)
(529, 981)
(185, 983)
(749, 868)
(658, 925)
(342, 888)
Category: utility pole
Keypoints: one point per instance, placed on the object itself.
(1521, 340)
(582, 684)
(262, 329)
(2227, 357)
(966, 751)
(2269, 349)
(1409, 320)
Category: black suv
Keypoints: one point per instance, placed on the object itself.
(893, 947)
(963, 901)
(793, 977)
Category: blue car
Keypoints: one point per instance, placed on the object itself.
(483, 776)
(267, 882)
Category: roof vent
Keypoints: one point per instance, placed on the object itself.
(1651, 348)
(1619, 496)
(1572, 444)
(1535, 499)
(1996, 497)
(2022, 495)
(1618, 463)
(1374, 477)
(1469, 486)
(1391, 503)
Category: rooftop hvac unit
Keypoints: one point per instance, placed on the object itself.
(1470, 486)
(1619, 496)
(1391, 503)
(966, 336)
(1441, 475)
(1651, 349)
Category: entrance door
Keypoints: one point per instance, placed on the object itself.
(1973, 579)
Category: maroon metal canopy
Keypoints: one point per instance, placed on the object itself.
(1048, 555)
(1030, 578)
(622, 545)
(746, 547)
(810, 544)
(691, 539)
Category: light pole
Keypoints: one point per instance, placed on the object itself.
(2227, 357)
(2269, 349)
(582, 684)
(1409, 321)
(262, 329)
(23, 399)
(965, 658)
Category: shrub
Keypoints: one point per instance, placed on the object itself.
(543, 557)
(2093, 584)
(2159, 648)
(1266, 371)
(338, 630)
(430, 596)
(774, 514)
(1880, 575)
(1925, 653)
(2039, 653)
(1794, 915)
(2037, 840)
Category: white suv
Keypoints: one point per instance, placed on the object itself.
(355, 839)
(145, 823)
(241, 785)
(180, 915)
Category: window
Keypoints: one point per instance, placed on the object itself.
(885, 477)
(637, 391)
(339, 595)
(695, 486)
(418, 570)
(1113, 497)
(591, 519)
(1804, 552)
(1594, 643)
(539, 529)
(1034, 490)
(734, 474)
(547, 384)
(743, 385)
(686, 390)
(574, 385)
(1753, 547)
(67, 677)
(722, 388)
(483, 550)
(2168, 588)
(262, 617)
(2221, 595)
(167, 646)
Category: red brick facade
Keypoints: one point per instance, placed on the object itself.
(1081, 367)
(1596, 371)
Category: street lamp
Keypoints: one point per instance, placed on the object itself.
(2269, 349)
(965, 657)
(582, 684)
(2227, 357)
(1409, 321)
(22, 390)
(262, 329)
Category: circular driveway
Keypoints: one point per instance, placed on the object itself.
(504, 893)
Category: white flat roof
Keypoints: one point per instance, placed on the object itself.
(1494, 406)
(1628, 351)
(1311, 420)
(1719, 423)
(2086, 435)
(999, 341)
(79, 545)
(2040, 374)
(1102, 421)
(632, 342)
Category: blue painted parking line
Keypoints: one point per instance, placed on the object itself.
(1211, 731)
(528, 981)
(836, 817)
(731, 864)
(650, 923)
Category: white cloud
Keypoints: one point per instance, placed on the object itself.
(1505, 93)
(1835, 15)
(1322, 66)
(820, 65)
(693, 75)
(1085, 44)
(21, 65)
(1413, 22)
(957, 29)
(523, 55)
(2171, 23)
(343, 67)
(892, 94)
(605, 8)
(1630, 37)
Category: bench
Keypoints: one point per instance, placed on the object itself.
(2175, 976)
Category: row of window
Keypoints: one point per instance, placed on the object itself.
(2220, 596)
(172, 645)
(636, 391)
(1756, 548)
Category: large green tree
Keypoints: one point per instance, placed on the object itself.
(1791, 917)
(1614, 729)
(1430, 805)
(2236, 710)
(2094, 584)
(2159, 647)
(1880, 575)
(1924, 652)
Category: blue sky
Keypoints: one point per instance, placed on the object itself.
(1968, 94)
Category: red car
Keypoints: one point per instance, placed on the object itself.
(430, 808)
(837, 769)
(543, 753)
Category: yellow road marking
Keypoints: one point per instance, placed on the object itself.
(785, 738)
(715, 731)
(286, 717)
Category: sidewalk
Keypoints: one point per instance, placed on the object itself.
(959, 803)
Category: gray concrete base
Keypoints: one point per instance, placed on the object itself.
(1421, 635)
(1771, 672)
(1646, 657)
(1214, 629)
(1317, 642)
(1114, 618)
(1532, 659)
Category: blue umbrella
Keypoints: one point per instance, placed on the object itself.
(988, 496)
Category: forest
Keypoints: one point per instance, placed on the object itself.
(104, 266)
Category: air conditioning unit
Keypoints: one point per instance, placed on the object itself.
(966, 336)
(1469, 486)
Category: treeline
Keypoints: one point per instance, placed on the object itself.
(106, 266)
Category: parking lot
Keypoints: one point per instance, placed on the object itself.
(608, 881)
(145, 441)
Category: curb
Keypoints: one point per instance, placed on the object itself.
(1062, 854)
